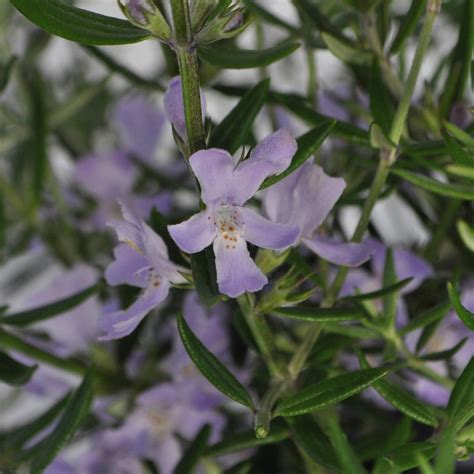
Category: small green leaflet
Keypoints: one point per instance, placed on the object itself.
(378, 293)
(77, 408)
(346, 51)
(464, 314)
(233, 58)
(329, 392)
(462, 394)
(211, 367)
(457, 191)
(13, 372)
(76, 24)
(31, 316)
(406, 457)
(307, 145)
(320, 315)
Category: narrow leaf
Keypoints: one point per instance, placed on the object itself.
(320, 315)
(456, 151)
(233, 131)
(406, 457)
(312, 440)
(429, 316)
(403, 400)
(381, 102)
(76, 24)
(307, 145)
(75, 411)
(464, 314)
(446, 354)
(462, 394)
(390, 299)
(233, 58)
(195, 451)
(13, 372)
(457, 191)
(466, 232)
(379, 293)
(31, 316)
(203, 268)
(329, 392)
(211, 367)
(346, 51)
(408, 24)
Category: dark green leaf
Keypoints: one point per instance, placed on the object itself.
(31, 316)
(203, 268)
(347, 51)
(408, 24)
(269, 17)
(76, 24)
(456, 151)
(390, 299)
(379, 293)
(192, 455)
(457, 191)
(240, 441)
(428, 317)
(464, 314)
(5, 72)
(329, 392)
(321, 315)
(13, 372)
(307, 145)
(76, 410)
(403, 400)
(312, 440)
(462, 394)
(233, 58)
(406, 457)
(211, 367)
(381, 102)
(447, 354)
(233, 131)
(312, 12)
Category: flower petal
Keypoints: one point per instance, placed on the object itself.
(140, 125)
(271, 156)
(122, 323)
(304, 198)
(267, 234)
(236, 271)
(348, 255)
(195, 234)
(214, 168)
(123, 270)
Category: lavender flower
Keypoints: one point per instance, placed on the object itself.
(226, 223)
(143, 263)
(304, 199)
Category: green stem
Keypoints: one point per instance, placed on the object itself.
(387, 158)
(189, 71)
(261, 334)
(13, 342)
(264, 412)
(301, 355)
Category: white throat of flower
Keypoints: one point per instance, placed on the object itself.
(229, 225)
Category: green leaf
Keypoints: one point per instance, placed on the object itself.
(320, 315)
(406, 457)
(211, 367)
(5, 72)
(13, 372)
(462, 394)
(240, 441)
(329, 392)
(20, 435)
(233, 131)
(407, 25)
(32, 316)
(346, 51)
(457, 191)
(379, 293)
(233, 58)
(466, 232)
(307, 145)
(269, 17)
(446, 354)
(76, 24)
(194, 452)
(429, 316)
(462, 171)
(390, 299)
(456, 151)
(381, 103)
(203, 268)
(464, 314)
(77, 408)
(311, 439)
(402, 400)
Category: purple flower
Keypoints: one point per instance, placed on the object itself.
(174, 107)
(143, 263)
(225, 188)
(140, 125)
(304, 199)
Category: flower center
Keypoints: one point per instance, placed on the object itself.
(229, 224)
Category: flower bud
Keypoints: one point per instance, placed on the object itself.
(146, 14)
